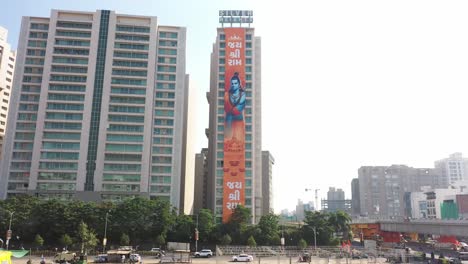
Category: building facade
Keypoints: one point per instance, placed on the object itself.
(202, 190)
(267, 182)
(454, 168)
(234, 134)
(355, 199)
(336, 201)
(98, 109)
(382, 189)
(7, 69)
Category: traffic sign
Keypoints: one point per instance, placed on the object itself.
(8, 234)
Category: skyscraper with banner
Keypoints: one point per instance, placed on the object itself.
(235, 151)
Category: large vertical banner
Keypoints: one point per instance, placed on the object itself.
(234, 126)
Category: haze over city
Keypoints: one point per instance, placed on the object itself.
(344, 84)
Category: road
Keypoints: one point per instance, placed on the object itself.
(227, 259)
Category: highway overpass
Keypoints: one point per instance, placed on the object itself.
(421, 226)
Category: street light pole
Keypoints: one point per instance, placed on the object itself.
(315, 238)
(196, 236)
(104, 241)
(9, 229)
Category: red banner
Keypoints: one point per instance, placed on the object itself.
(234, 126)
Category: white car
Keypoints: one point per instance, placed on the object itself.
(205, 253)
(135, 258)
(242, 257)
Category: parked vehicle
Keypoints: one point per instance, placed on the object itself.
(136, 258)
(64, 257)
(204, 253)
(158, 252)
(101, 258)
(242, 257)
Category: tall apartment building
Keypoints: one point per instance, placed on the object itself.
(7, 69)
(267, 182)
(201, 190)
(454, 168)
(355, 199)
(382, 189)
(98, 109)
(234, 134)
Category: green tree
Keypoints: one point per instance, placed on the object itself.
(318, 222)
(226, 239)
(183, 230)
(160, 241)
(87, 238)
(268, 226)
(237, 225)
(251, 242)
(38, 241)
(302, 243)
(124, 240)
(66, 241)
(206, 224)
(340, 223)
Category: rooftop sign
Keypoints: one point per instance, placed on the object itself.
(236, 16)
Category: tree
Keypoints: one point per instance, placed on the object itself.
(318, 222)
(124, 240)
(268, 226)
(237, 224)
(302, 244)
(206, 224)
(251, 242)
(340, 222)
(38, 241)
(183, 229)
(160, 241)
(226, 239)
(87, 237)
(66, 241)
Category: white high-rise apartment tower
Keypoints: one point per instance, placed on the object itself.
(7, 69)
(454, 168)
(234, 134)
(99, 108)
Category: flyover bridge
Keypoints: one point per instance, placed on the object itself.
(421, 226)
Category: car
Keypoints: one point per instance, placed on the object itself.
(100, 258)
(463, 246)
(158, 252)
(135, 258)
(205, 253)
(242, 257)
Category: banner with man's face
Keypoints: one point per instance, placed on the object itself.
(234, 125)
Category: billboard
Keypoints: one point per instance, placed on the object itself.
(234, 125)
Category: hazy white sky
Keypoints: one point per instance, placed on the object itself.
(345, 83)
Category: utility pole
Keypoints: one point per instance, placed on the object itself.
(196, 236)
(104, 241)
(9, 232)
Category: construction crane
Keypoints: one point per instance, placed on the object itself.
(316, 197)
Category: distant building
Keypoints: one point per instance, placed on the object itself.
(355, 200)
(267, 182)
(7, 69)
(436, 203)
(301, 208)
(336, 201)
(454, 168)
(382, 188)
(201, 191)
